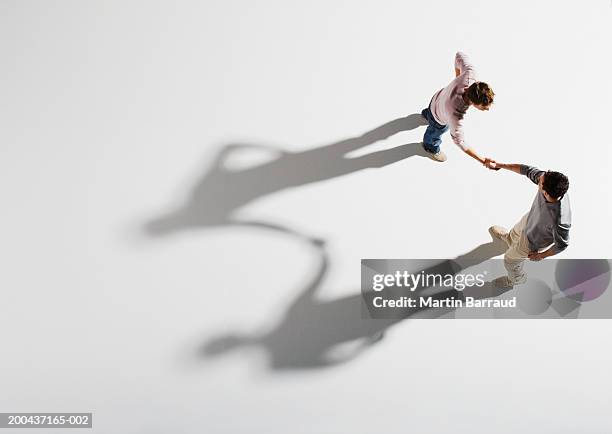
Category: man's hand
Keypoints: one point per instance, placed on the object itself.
(491, 164)
(536, 256)
(494, 165)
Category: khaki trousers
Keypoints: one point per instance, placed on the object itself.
(517, 252)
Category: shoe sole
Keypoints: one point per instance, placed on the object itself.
(496, 236)
(436, 160)
(431, 157)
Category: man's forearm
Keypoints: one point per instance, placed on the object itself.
(472, 153)
(513, 167)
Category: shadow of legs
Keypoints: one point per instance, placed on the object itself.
(221, 192)
(311, 329)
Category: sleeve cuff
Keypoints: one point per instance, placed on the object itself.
(558, 249)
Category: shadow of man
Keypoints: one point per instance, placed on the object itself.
(312, 330)
(221, 192)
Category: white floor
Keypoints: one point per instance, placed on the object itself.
(114, 114)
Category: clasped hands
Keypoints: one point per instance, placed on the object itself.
(491, 164)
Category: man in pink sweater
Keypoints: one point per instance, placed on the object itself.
(449, 105)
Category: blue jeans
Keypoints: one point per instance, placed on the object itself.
(431, 139)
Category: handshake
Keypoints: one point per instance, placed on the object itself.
(492, 164)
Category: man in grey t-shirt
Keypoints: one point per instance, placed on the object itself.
(543, 231)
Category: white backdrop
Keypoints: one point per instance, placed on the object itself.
(112, 112)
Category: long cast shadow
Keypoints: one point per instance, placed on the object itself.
(312, 329)
(221, 191)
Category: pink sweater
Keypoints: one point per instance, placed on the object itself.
(447, 105)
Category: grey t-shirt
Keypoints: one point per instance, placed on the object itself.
(547, 223)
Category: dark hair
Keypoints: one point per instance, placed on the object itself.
(480, 93)
(555, 184)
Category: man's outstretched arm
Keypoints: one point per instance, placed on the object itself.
(487, 162)
(472, 153)
(533, 173)
(508, 166)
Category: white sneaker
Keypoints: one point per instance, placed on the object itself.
(500, 233)
(439, 156)
(505, 282)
